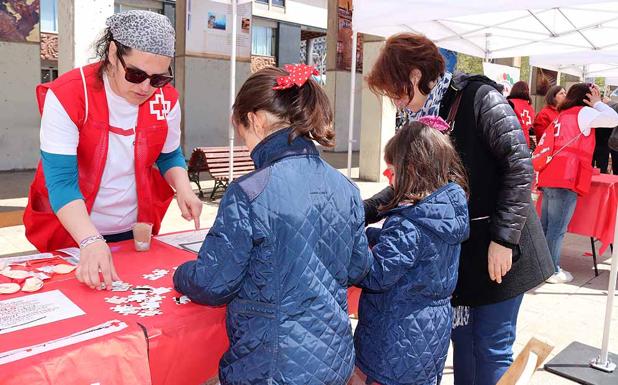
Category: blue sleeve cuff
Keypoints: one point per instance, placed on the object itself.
(167, 160)
(61, 179)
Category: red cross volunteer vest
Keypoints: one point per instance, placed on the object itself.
(571, 166)
(525, 114)
(82, 94)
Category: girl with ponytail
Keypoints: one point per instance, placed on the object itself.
(287, 241)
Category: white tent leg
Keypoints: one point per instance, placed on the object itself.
(232, 85)
(602, 362)
(352, 97)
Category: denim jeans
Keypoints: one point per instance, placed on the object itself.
(483, 349)
(557, 211)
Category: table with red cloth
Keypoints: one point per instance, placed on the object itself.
(595, 213)
(183, 345)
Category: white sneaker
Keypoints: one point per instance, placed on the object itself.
(561, 276)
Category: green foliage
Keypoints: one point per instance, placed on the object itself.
(469, 64)
(524, 71)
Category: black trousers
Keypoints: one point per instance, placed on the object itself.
(602, 152)
(111, 238)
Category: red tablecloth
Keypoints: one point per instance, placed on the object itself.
(183, 345)
(595, 214)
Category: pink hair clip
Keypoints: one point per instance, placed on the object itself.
(435, 122)
(298, 75)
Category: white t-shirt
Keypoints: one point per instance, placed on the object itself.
(115, 207)
(600, 116)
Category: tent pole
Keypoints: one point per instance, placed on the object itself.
(232, 86)
(352, 101)
(602, 362)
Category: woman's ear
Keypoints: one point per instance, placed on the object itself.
(252, 119)
(415, 76)
(262, 124)
(111, 54)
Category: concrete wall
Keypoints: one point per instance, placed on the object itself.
(312, 13)
(338, 91)
(378, 123)
(20, 72)
(80, 24)
(206, 100)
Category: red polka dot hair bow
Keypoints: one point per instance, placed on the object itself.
(298, 75)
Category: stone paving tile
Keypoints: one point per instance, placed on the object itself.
(560, 314)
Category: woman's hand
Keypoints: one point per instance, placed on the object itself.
(499, 259)
(594, 96)
(190, 205)
(94, 259)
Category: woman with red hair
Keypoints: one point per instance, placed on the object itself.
(506, 254)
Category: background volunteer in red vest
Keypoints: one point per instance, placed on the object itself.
(519, 99)
(110, 147)
(554, 96)
(569, 172)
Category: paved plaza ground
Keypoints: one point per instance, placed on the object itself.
(559, 314)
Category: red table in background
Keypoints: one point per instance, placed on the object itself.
(595, 213)
(181, 346)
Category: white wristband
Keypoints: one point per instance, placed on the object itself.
(90, 240)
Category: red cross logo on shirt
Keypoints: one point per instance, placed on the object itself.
(160, 107)
(525, 117)
(557, 128)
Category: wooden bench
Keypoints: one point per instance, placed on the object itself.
(216, 161)
(11, 216)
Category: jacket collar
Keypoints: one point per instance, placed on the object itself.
(276, 146)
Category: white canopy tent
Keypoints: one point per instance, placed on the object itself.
(583, 63)
(500, 28)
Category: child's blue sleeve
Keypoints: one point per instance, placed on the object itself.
(61, 179)
(394, 254)
(373, 234)
(217, 274)
(361, 258)
(167, 160)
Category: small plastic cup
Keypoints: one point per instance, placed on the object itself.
(142, 234)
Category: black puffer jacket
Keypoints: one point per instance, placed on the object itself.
(490, 141)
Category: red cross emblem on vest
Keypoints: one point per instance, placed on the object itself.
(160, 107)
(526, 118)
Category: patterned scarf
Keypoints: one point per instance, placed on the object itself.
(432, 104)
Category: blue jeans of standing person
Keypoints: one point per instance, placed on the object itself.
(483, 349)
(556, 213)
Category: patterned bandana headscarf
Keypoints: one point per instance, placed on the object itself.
(144, 31)
(432, 104)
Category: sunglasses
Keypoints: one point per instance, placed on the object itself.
(133, 75)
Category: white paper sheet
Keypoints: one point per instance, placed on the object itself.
(73, 255)
(36, 309)
(187, 238)
(25, 258)
(193, 247)
(106, 328)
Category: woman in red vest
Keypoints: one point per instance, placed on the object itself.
(519, 99)
(549, 113)
(104, 126)
(569, 172)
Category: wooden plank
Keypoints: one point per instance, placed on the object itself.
(221, 155)
(529, 359)
(11, 218)
(226, 164)
(221, 149)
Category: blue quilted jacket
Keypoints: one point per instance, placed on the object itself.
(405, 314)
(287, 241)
